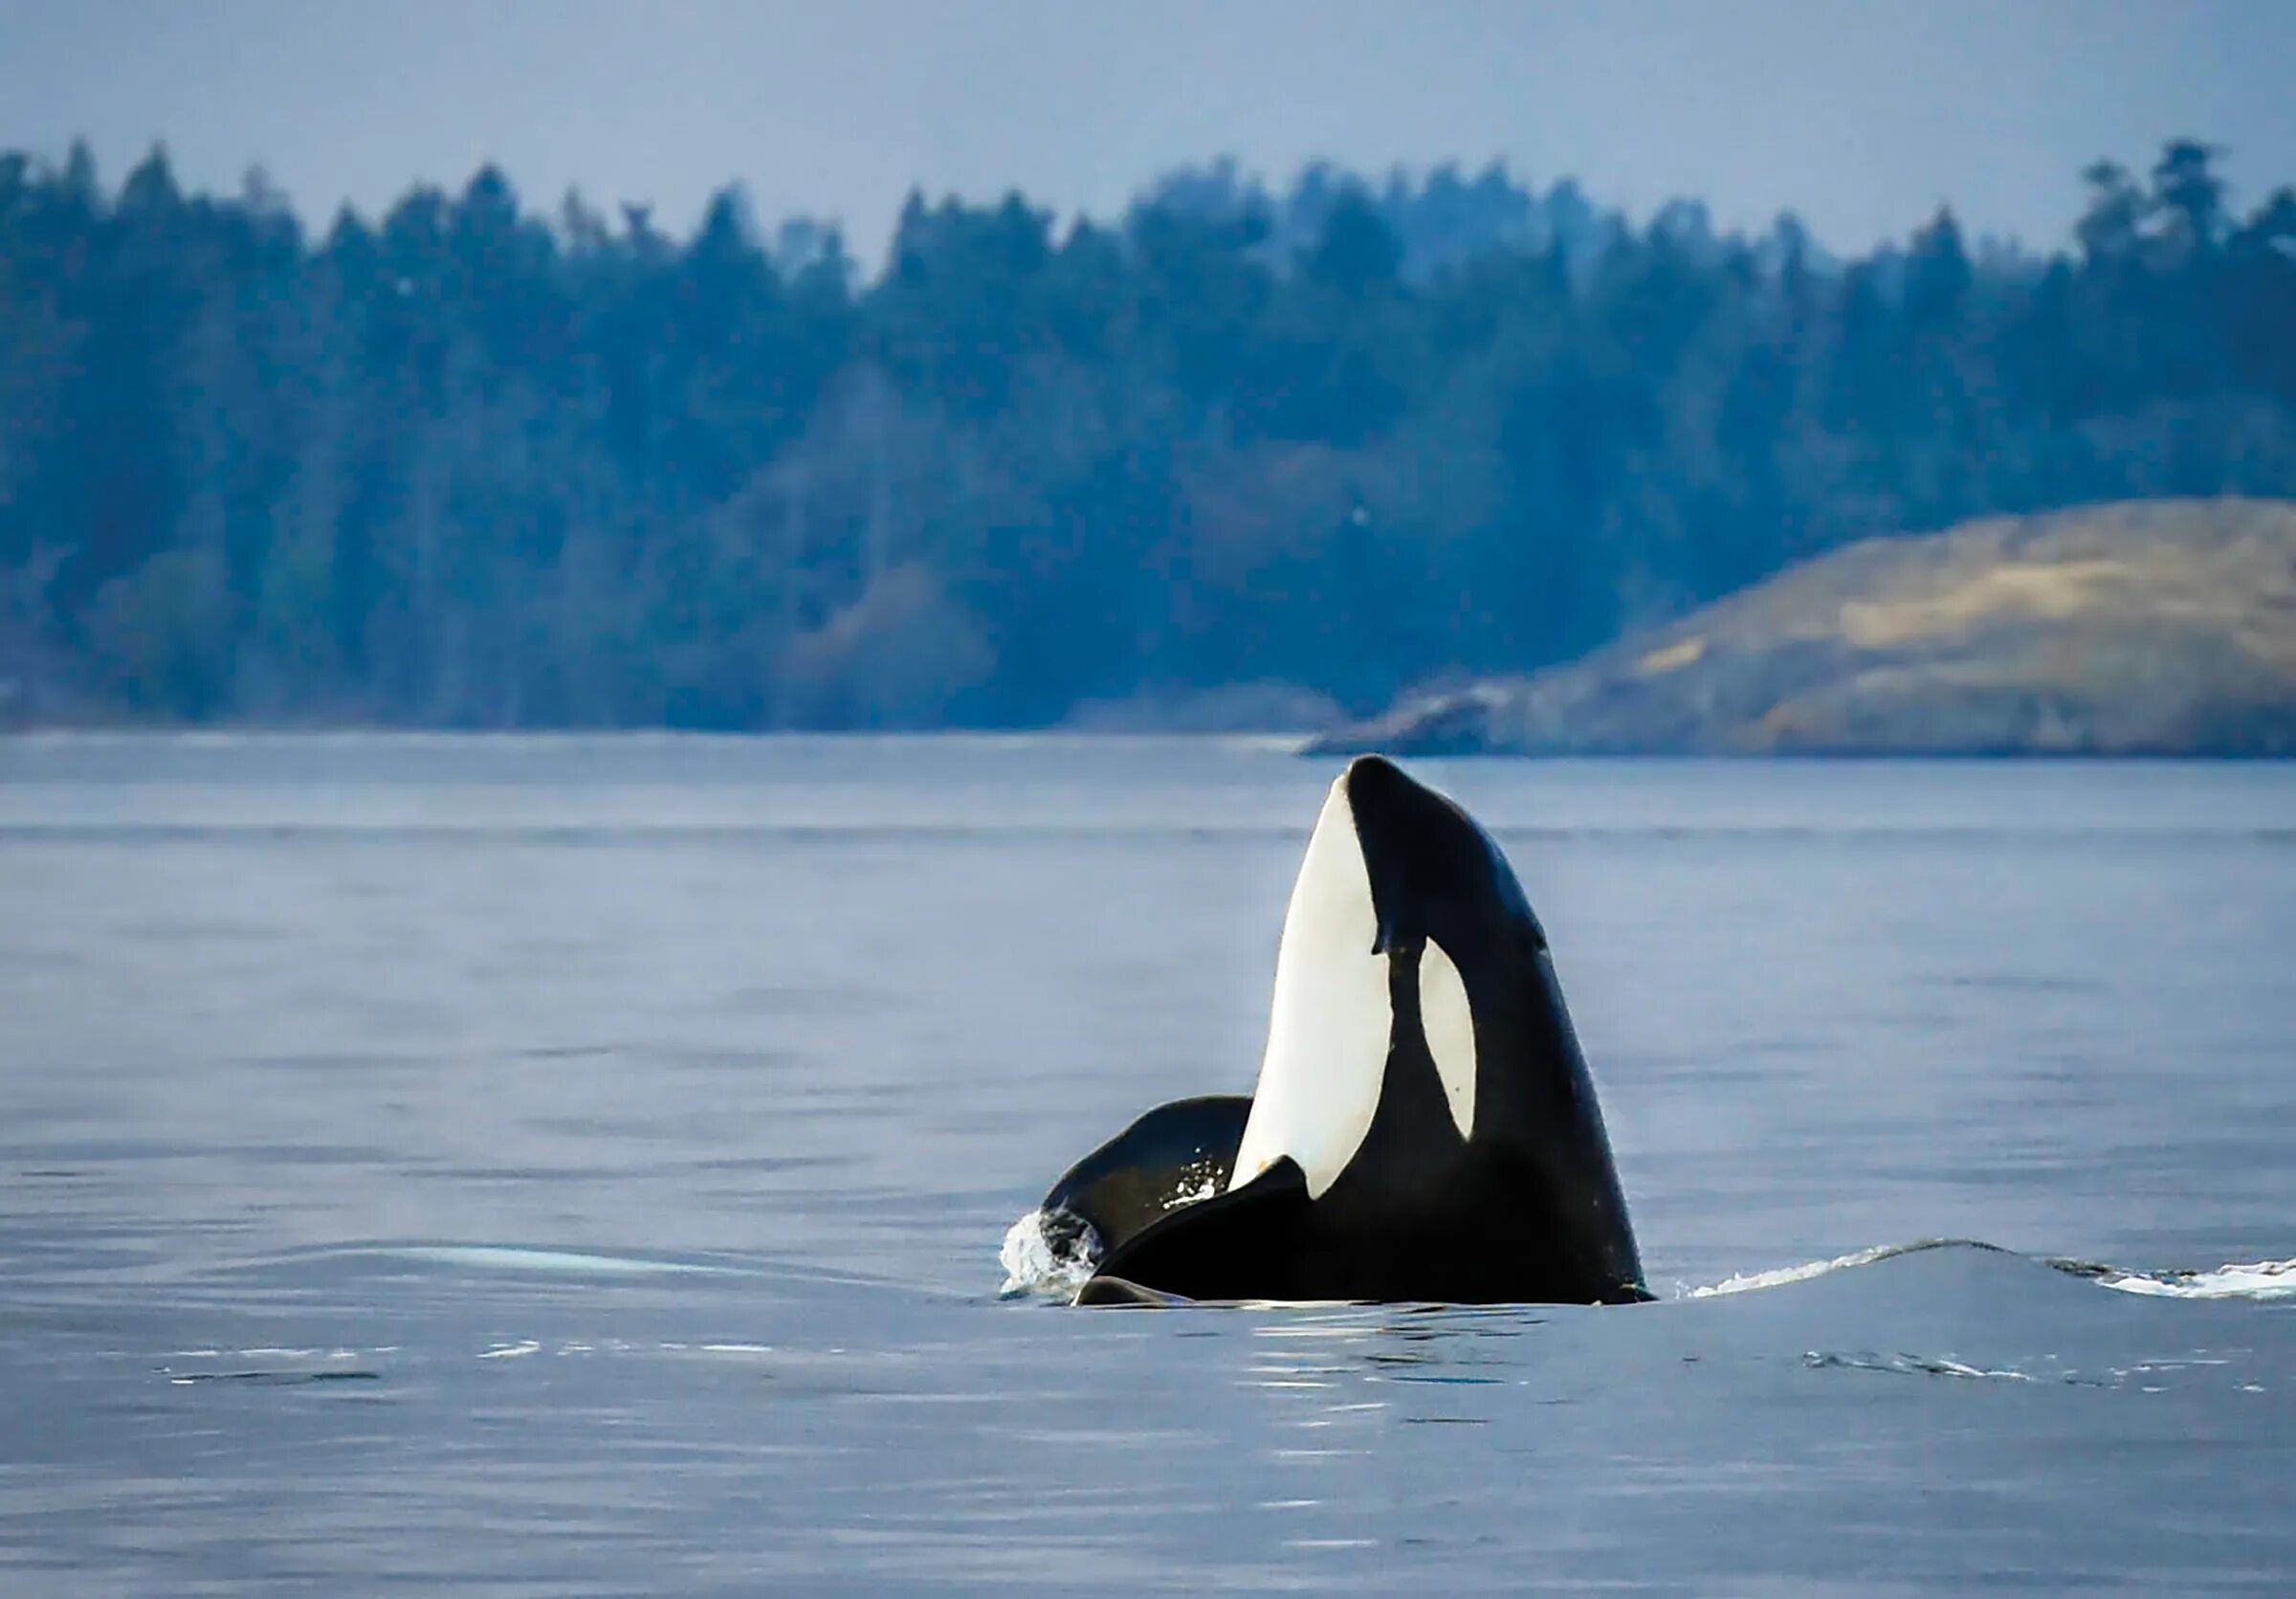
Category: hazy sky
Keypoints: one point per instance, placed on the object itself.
(1859, 114)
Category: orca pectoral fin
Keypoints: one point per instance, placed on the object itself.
(1176, 1155)
(1119, 1292)
(1239, 1245)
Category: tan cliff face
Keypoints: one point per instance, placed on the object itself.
(2148, 627)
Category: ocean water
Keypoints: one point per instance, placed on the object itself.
(579, 1167)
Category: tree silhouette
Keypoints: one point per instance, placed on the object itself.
(467, 463)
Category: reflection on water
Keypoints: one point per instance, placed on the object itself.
(578, 1166)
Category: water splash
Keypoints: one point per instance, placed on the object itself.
(1035, 1264)
(1207, 1184)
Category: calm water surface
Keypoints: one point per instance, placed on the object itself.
(578, 1166)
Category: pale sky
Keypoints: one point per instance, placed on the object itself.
(1859, 113)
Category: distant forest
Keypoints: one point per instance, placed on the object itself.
(472, 464)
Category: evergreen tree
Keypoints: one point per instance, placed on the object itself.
(464, 464)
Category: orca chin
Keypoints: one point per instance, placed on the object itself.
(1424, 1127)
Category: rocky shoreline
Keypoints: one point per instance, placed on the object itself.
(2163, 627)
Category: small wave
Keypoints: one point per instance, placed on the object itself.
(269, 1379)
(1912, 1365)
(1746, 1282)
(501, 1258)
(2263, 1279)
(1034, 1265)
(2259, 1279)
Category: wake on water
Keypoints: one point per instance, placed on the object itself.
(1038, 1267)
(2263, 1280)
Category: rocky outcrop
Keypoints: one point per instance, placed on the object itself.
(2153, 627)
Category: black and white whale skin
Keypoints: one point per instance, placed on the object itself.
(1424, 1128)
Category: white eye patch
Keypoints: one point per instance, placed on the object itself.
(1450, 1025)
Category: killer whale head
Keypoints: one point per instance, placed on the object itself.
(1397, 885)
(1424, 1125)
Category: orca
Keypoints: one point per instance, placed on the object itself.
(1424, 1127)
(1175, 1155)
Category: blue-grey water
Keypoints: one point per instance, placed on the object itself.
(572, 1167)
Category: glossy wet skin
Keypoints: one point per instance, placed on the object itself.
(1174, 1155)
(1507, 1194)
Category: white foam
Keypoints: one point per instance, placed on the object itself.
(2259, 1279)
(1746, 1282)
(1033, 1266)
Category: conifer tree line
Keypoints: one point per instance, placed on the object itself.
(472, 463)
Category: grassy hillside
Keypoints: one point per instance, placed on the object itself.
(2151, 627)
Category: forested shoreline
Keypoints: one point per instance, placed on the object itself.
(477, 463)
